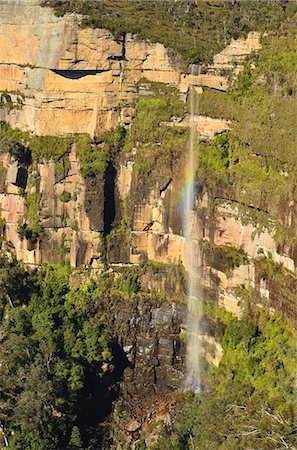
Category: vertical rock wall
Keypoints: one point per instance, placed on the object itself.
(64, 80)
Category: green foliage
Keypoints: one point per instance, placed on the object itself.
(75, 226)
(145, 279)
(56, 348)
(14, 142)
(126, 284)
(26, 148)
(158, 158)
(8, 133)
(53, 342)
(94, 155)
(3, 172)
(157, 144)
(252, 395)
(218, 104)
(2, 227)
(32, 206)
(269, 269)
(277, 63)
(119, 235)
(18, 152)
(224, 257)
(93, 160)
(217, 313)
(213, 162)
(141, 445)
(257, 167)
(150, 112)
(65, 197)
(46, 148)
(197, 30)
(113, 139)
(15, 282)
(75, 438)
(41, 147)
(280, 282)
(32, 232)
(49, 147)
(32, 229)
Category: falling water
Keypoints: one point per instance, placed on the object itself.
(192, 381)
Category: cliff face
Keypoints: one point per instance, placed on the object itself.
(75, 80)
(59, 79)
(62, 80)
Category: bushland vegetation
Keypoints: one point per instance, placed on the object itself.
(195, 29)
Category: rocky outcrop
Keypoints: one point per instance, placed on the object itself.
(151, 334)
(71, 80)
(207, 127)
(77, 80)
(231, 59)
(65, 80)
(74, 80)
(67, 230)
(156, 235)
(155, 346)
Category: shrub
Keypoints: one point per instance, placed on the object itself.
(49, 147)
(93, 159)
(42, 148)
(197, 30)
(252, 389)
(32, 232)
(3, 172)
(2, 227)
(126, 284)
(65, 197)
(158, 145)
(224, 257)
(257, 172)
(151, 111)
(213, 162)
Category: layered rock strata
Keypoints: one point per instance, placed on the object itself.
(63, 80)
(77, 80)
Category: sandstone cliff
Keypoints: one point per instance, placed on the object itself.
(93, 165)
(62, 80)
(83, 80)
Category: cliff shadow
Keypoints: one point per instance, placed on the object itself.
(109, 198)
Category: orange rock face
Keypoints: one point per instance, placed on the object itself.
(76, 80)
(73, 80)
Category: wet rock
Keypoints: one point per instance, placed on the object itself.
(162, 315)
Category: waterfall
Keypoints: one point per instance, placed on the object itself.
(192, 381)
